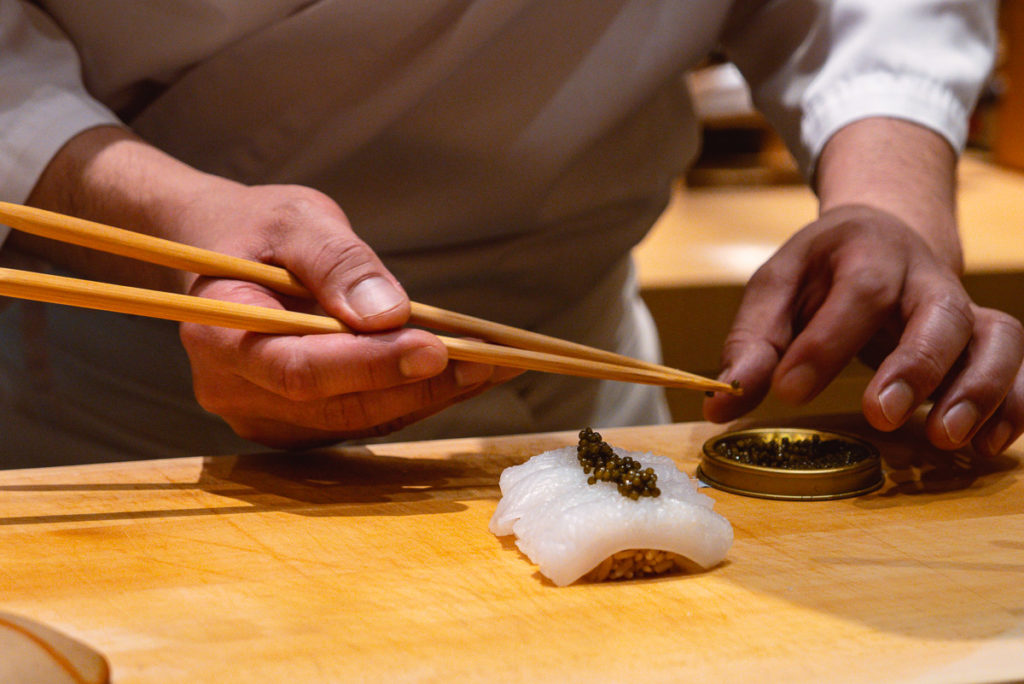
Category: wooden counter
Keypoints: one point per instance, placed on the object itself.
(376, 565)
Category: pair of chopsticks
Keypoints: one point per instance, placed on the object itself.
(514, 348)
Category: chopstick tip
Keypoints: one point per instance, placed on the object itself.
(734, 388)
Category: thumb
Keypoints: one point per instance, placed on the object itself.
(317, 244)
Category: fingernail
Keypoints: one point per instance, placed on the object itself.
(959, 421)
(896, 401)
(999, 436)
(799, 383)
(374, 296)
(469, 374)
(422, 362)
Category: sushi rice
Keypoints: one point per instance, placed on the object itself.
(570, 528)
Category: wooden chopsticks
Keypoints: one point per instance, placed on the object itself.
(526, 350)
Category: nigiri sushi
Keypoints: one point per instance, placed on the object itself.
(623, 515)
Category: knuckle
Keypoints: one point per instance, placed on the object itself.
(438, 390)
(345, 412)
(743, 340)
(771, 275)
(301, 204)
(295, 210)
(739, 337)
(1009, 328)
(294, 377)
(988, 384)
(373, 414)
(931, 354)
(870, 285)
(999, 365)
(372, 373)
(343, 257)
(928, 360)
(954, 304)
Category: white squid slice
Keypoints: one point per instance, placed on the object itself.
(568, 527)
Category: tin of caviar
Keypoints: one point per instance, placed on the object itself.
(792, 464)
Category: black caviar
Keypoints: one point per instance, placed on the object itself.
(735, 384)
(812, 453)
(603, 465)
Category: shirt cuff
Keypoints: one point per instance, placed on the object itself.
(901, 96)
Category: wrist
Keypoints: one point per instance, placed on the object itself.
(109, 175)
(898, 167)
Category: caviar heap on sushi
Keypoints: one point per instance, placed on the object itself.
(600, 461)
(567, 517)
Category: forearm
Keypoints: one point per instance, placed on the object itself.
(108, 175)
(901, 168)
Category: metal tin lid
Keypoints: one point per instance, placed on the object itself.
(791, 464)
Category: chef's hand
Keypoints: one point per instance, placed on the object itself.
(286, 390)
(281, 390)
(861, 281)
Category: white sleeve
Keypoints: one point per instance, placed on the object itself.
(815, 67)
(43, 102)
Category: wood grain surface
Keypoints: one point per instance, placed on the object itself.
(375, 564)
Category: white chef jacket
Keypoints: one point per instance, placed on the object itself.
(501, 156)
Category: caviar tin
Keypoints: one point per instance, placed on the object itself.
(816, 478)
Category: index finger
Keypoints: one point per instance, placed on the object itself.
(305, 367)
(308, 367)
(760, 333)
(861, 298)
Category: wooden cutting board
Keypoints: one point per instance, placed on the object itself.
(375, 564)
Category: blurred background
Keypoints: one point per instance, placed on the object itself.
(744, 197)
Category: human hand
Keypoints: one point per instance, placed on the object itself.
(859, 281)
(283, 391)
(287, 391)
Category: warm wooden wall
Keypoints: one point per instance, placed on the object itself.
(1009, 138)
